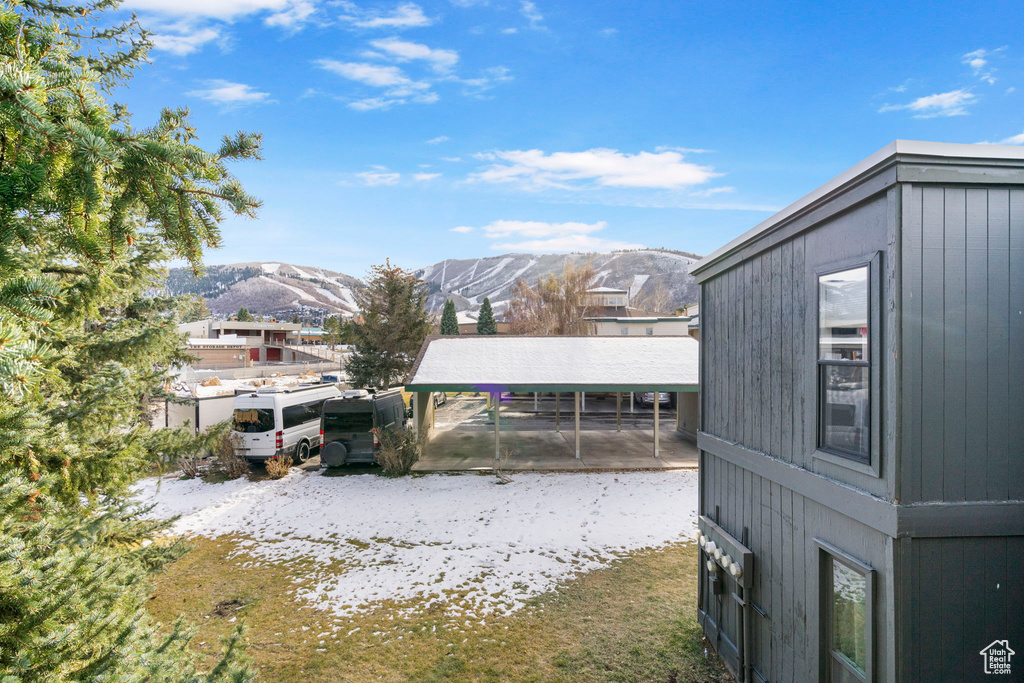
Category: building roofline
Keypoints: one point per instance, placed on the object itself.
(898, 150)
(640, 319)
(434, 337)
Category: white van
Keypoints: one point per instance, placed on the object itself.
(275, 421)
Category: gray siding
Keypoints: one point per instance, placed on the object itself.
(963, 594)
(963, 343)
(759, 327)
(780, 526)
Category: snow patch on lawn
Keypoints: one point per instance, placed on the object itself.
(461, 543)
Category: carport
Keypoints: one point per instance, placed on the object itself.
(558, 365)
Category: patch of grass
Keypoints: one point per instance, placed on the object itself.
(634, 621)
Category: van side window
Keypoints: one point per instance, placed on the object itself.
(293, 416)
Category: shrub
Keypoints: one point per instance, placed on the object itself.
(190, 466)
(225, 456)
(399, 450)
(279, 466)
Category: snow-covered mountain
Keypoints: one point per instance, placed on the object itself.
(648, 274)
(278, 289)
(657, 279)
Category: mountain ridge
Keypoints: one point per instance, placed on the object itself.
(657, 279)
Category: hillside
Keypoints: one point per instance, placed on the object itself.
(653, 275)
(656, 279)
(277, 289)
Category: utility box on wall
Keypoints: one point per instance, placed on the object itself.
(862, 415)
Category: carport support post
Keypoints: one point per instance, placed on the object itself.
(497, 426)
(657, 403)
(618, 411)
(576, 396)
(535, 401)
(558, 415)
(632, 403)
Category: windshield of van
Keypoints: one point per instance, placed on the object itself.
(348, 422)
(253, 420)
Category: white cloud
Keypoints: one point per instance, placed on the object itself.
(510, 31)
(540, 229)
(405, 15)
(603, 167)
(476, 87)
(185, 40)
(438, 140)
(451, 159)
(220, 9)
(569, 243)
(952, 103)
(398, 88)
(712, 191)
(542, 237)
(608, 32)
(228, 94)
(530, 12)
(379, 177)
(370, 74)
(978, 60)
(439, 60)
(293, 17)
(423, 177)
(1012, 140)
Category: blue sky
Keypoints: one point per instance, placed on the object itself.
(425, 130)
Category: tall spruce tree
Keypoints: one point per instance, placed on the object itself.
(394, 325)
(90, 209)
(485, 324)
(449, 319)
(244, 316)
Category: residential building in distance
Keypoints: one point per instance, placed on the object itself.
(862, 421)
(609, 299)
(650, 326)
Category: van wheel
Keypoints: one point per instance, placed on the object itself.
(302, 452)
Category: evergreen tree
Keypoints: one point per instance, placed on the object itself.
(395, 323)
(296, 320)
(485, 324)
(195, 310)
(90, 209)
(449, 319)
(244, 316)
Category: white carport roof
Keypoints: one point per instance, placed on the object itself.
(523, 364)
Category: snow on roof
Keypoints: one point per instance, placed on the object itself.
(606, 290)
(465, 318)
(652, 362)
(231, 340)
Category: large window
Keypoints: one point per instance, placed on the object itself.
(844, 370)
(846, 616)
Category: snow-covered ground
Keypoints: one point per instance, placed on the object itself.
(464, 542)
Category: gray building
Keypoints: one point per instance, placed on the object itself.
(862, 426)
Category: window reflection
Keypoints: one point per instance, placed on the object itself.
(849, 615)
(846, 416)
(844, 372)
(843, 315)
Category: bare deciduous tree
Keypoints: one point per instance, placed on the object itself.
(558, 305)
(656, 299)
